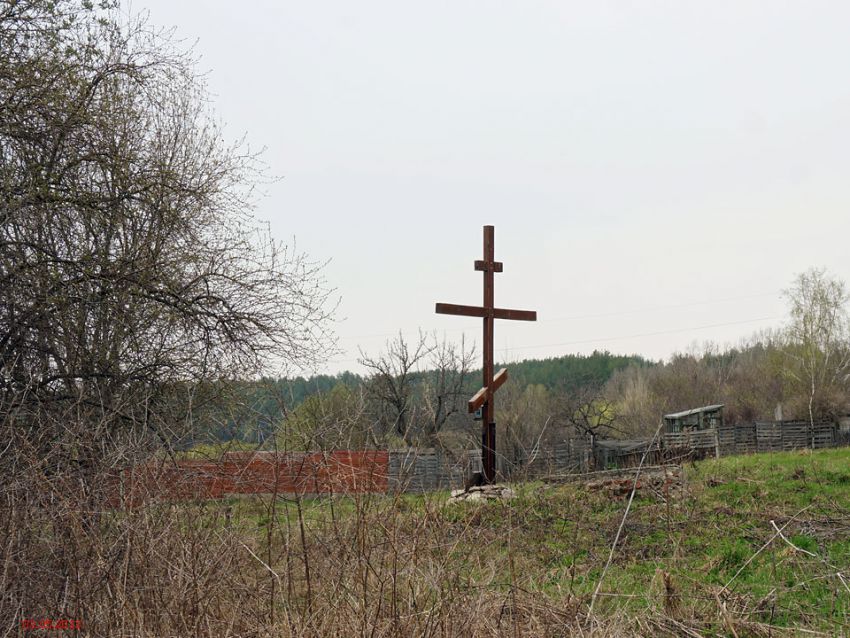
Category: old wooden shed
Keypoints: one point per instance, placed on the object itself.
(705, 418)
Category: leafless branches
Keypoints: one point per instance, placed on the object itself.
(135, 288)
(131, 268)
(445, 388)
(391, 380)
(588, 410)
(408, 401)
(818, 337)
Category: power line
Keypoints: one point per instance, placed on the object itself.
(615, 338)
(642, 334)
(595, 316)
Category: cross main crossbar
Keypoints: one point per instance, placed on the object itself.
(478, 311)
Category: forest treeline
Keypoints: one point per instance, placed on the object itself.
(414, 393)
(269, 401)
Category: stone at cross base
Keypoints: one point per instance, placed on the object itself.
(489, 492)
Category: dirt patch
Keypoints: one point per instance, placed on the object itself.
(662, 484)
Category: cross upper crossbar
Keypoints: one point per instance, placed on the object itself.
(487, 266)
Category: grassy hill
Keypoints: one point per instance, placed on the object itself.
(708, 562)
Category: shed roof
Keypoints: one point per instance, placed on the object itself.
(705, 408)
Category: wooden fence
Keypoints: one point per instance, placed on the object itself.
(570, 456)
(426, 469)
(600, 454)
(762, 436)
(337, 472)
(421, 470)
(430, 469)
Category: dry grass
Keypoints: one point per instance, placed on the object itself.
(376, 565)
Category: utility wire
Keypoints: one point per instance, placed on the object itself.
(635, 336)
(619, 313)
(614, 338)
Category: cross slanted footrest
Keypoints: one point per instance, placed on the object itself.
(480, 397)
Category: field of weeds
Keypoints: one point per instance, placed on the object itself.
(751, 546)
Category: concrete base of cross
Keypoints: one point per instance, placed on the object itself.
(494, 492)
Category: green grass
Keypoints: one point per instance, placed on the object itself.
(558, 539)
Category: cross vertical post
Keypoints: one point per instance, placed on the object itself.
(488, 412)
(484, 398)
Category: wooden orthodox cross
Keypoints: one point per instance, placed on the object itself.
(484, 397)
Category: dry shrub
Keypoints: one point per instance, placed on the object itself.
(283, 565)
(276, 565)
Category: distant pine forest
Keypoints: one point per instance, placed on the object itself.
(268, 402)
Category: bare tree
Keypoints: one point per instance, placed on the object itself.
(445, 386)
(588, 410)
(391, 381)
(417, 388)
(134, 278)
(638, 407)
(135, 287)
(818, 337)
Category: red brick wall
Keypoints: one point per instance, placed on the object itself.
(339, 472)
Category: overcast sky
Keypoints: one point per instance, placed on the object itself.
(657, 172)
